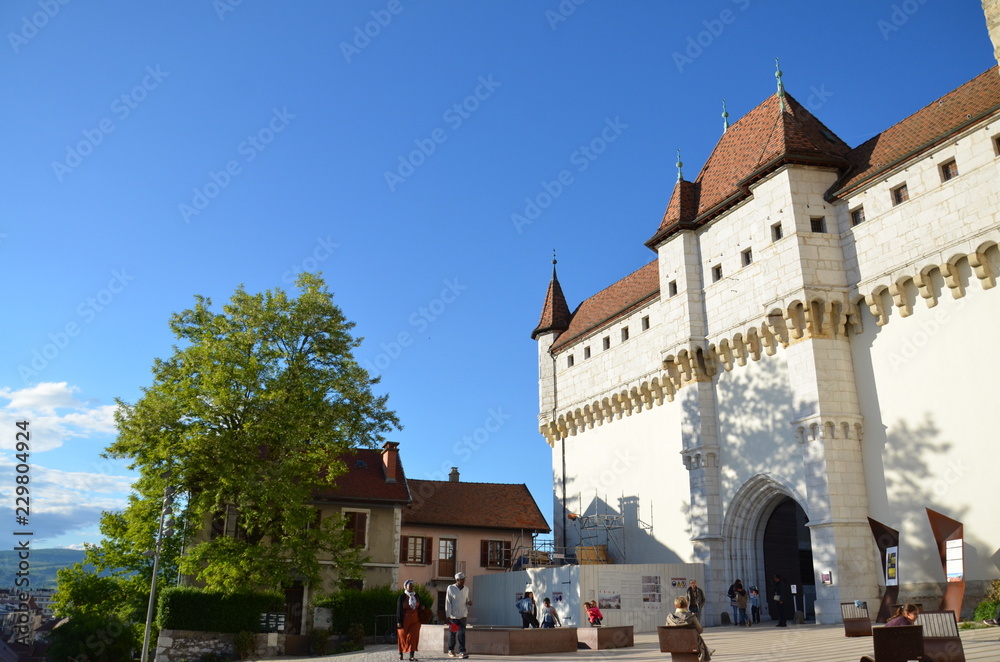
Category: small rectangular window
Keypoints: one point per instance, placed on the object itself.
(996, 146)
(900, 194)
(747, 257)
(607, 342)
(586, 353)
(716, 273)
(672, 288)
(645, 322)
(817, 224)
(776, 232)
(569, 361)
(949, 170)
(625, 334)
(858, 216)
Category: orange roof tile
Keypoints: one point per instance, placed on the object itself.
(611, 303)
(760, 142)
(365, 480)
(478, 505)
(921, 131)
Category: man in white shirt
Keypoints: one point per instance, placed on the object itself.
(456, 611)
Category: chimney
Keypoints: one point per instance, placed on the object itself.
(390, 460)
(453, 476)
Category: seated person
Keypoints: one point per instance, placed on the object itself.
(905, 615)
(685, 619)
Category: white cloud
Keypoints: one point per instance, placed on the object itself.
(55, 415)
(46, 396)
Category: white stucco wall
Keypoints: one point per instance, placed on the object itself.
(604, 469)
(928, 398)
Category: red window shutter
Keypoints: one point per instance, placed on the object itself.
(484, 553)
(427, 549)
(404, 545)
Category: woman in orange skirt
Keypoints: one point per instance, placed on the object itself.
(408, 620)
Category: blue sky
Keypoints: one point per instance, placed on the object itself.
(154, 151)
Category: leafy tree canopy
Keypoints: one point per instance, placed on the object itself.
(253, 411)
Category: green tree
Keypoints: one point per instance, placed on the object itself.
(252, 412)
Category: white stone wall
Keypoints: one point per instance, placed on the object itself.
(637, 457)
(875, 400)
(931, 440)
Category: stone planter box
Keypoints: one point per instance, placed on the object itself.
(486, 640)
(603, 637)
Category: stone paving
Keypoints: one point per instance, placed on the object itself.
(764, 643)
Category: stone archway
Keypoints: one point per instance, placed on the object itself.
(744, 528)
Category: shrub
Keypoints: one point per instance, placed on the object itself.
(93, 637)
(985, 609)
(244, 644)
(355, 638)
(190, 608)
(350, 606)
(993, 594)
(319, 640)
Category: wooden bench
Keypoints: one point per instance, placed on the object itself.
(680, 642)
(942, 642)
(857, 622)
(897, 644)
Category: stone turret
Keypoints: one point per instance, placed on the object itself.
(992, 10)
(554, 320)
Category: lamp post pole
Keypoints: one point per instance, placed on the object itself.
(168, 501)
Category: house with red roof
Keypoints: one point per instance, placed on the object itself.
(370, 496)
(475, 528)
(809, 350)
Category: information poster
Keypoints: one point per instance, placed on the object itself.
(892, 566)
(652, 595)
(954, 560)
(609, 600)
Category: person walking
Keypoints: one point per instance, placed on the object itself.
(549, 617)
(408, 620)
(456, 611)
(781, 596)
(696, 598)
(528, 609)
(733, 593)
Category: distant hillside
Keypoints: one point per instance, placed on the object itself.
(44, 564)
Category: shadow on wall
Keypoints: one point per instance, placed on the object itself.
(620, 528)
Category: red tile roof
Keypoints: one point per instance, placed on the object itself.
(555, 312)
(473, 505)
(611, 303)
(921, 131)
(760, 142)
(365, 480)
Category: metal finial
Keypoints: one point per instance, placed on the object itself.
(725, 117)
(680, 173)
(781, 86)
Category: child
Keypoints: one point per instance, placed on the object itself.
(549, 617)
(593, 614)
(754, 605)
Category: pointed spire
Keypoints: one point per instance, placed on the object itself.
(680, 164)
(781, 86)
(555, 311)
(725, 117)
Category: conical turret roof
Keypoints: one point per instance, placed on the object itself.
(555, 312)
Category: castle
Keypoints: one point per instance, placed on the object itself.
(809, 348)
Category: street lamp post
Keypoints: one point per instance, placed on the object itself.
(165, 528)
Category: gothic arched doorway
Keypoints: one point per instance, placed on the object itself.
(788, 551)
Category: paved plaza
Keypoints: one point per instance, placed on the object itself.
(765, 643)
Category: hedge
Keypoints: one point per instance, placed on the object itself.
(351, 605)
(190, 608)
